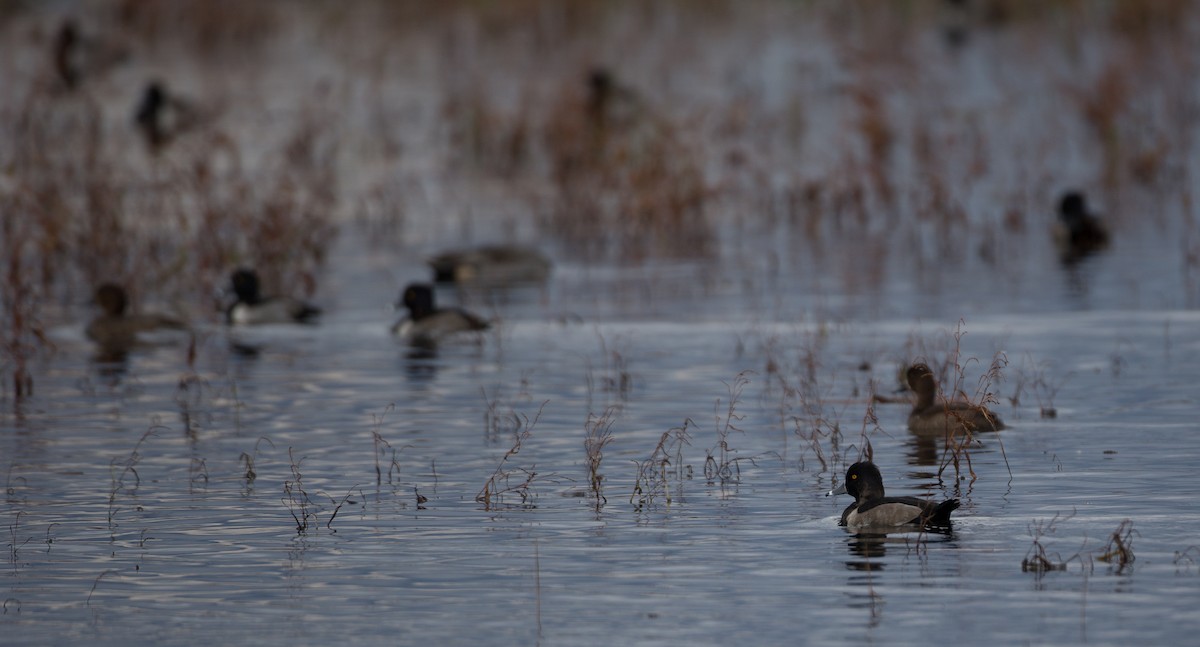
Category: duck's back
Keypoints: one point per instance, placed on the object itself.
(438, 325)
(898, 511)
(272, 311)
(939, 417)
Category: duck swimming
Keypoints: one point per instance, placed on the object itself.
(161, 115)
(1078, 232)
(491, 265)
(251, 308)
(872, 508)
(116, 331)
(425, 324)
(930, 416)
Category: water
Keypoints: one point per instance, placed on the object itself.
(326, 487)
(183, 547)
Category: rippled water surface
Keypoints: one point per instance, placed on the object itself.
(298, 485)
(132, 517)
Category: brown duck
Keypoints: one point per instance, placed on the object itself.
(929, 415)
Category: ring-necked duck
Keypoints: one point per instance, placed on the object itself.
(1078, 232)
(929, 415)
(161, 115)
(78, 55)
(871, 508)
(425, 324)
(491, 264)
(253, 308)
(116, 331)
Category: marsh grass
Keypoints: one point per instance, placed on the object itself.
(296, 499)
(249, 461)
(14, 546)
(818, 421)
(597, 436)
(22, 333)
(120, 471)
(384, 452)
(626, 180)
(197, 475)
(1034, 377)
(720, 463)
(1186, 558)
(507, 480)
(338, 504)
(664, 466)
(1118, 552)
(1037, 559)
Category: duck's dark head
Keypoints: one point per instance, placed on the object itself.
(112, 299)
(1072, 208)
(920, 379)
(863, 481)
(245, 286)
(418, 298)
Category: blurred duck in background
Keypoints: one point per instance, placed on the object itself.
(492, 265)
(252, 308)
(78, 57)
(115, 331)
(930, 416)
(162, 116)
(1078, 232)
(426, 325)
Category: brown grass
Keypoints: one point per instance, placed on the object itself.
(655, 474)
(507, 480)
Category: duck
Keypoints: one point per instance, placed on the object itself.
(161, 115)
(66, 55)
(928, 415)
(1078, 232)
(116, 331)
(491, 264)
(873, 509)
(251, 308)
(610, 103)
(77, 56)
(426, 324)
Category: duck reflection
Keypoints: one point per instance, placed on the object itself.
(926, 449)
(116, 331)
(420, 363)
(868, 548)
(865, 547)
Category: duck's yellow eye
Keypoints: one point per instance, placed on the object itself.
(854, 477)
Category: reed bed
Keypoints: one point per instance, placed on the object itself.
(601, 121)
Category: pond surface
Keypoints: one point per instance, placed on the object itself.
(131, 516)
(316, 484)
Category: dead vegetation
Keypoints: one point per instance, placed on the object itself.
(1117, 551)
(509, 480)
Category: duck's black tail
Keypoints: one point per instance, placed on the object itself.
(940, 516)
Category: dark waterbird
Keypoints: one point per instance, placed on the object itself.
(427, 324)
(1078, 233)
(873, 509)
(491, 265)
(252, 307)
(116, 331)
(161, 115)
(930, 416)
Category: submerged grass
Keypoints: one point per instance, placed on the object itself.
(597, 436)
(1118, 552)
(720, 463)
(652, 488)
(507, 480)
